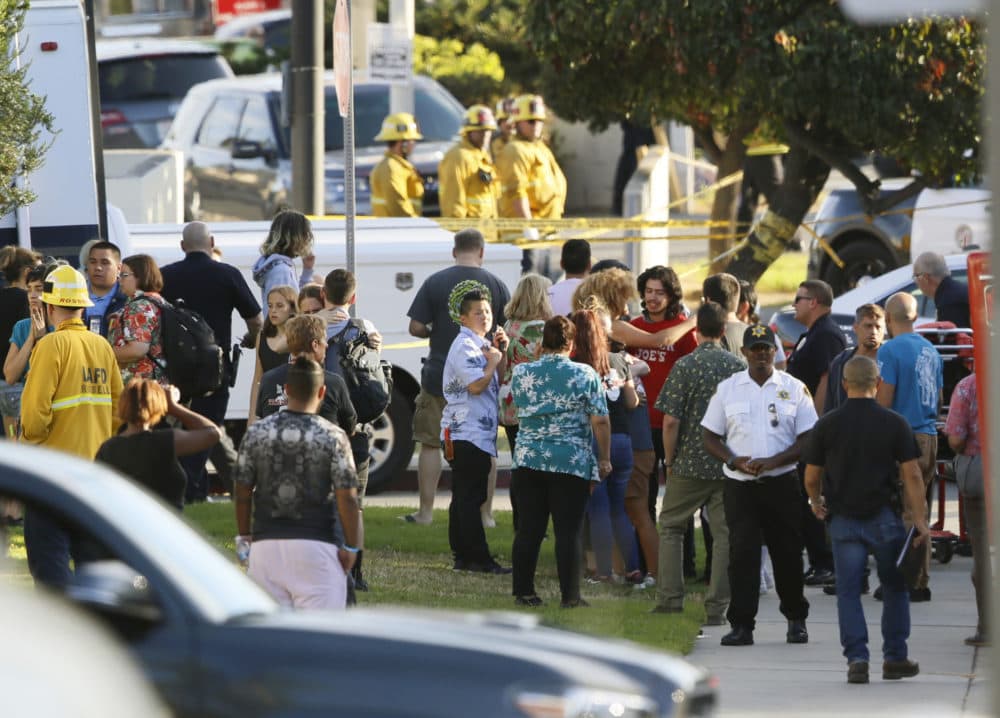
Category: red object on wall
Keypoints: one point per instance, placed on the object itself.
(226, 10)
(981, 307)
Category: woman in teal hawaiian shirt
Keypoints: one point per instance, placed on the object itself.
(561, 409)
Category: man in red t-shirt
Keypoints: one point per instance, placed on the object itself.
(661, 294)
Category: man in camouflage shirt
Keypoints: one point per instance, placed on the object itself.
(694, 478)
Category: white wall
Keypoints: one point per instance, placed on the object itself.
(588, 161)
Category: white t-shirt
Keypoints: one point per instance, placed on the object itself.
(561, 296)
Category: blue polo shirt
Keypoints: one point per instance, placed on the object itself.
(211, 288)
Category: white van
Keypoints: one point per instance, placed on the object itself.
(394, 257)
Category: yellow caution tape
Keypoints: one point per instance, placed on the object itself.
(406, 345)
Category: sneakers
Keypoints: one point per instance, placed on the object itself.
(857, 672)
(576, 603)
(491, 567)
(818, 577)
(647, 582)
(528, 601)
(894, 670)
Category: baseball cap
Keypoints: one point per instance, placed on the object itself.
(757, 334)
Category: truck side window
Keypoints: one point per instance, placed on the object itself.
(256, 124)
(221, 123)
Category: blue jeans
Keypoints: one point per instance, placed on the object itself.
(609, 524)
(882, 535)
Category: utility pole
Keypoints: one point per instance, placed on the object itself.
(402, 16)
(308, 142)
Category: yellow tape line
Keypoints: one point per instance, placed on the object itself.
(406, 345)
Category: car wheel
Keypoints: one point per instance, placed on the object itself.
(863, 260)
(391, 443)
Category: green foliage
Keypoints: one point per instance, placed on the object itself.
(910, 91)
(471, 72)
(23, 117)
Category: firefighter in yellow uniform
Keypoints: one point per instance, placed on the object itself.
(396, 187)
(504, 127)
(70, 403)
(532, 184)
(466, 175)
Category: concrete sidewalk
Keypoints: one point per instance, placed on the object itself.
(772, 677)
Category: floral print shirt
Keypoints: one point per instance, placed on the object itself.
(555, 399)
(469, 417)
(139, 321)
(525, 338)
(963, 415)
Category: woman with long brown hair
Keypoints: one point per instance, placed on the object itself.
(272, 347)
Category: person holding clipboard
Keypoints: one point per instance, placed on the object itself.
(853, 458)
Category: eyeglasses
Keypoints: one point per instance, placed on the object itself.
(126, 275)
(773, 411)
(800, 298)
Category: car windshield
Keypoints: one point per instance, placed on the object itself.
(438, 116)
(156, 76)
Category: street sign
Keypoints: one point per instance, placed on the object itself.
(889, 11)
(390, 53)
(342, 64)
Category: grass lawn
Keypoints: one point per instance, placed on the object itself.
(410, 565)
(776, 286)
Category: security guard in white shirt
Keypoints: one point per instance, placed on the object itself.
(755, 423)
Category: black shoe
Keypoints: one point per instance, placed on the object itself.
(491, 567)
(878, 594)
(460, 565)
(576, 603)
(819, 577)
(894, 670)
(739, 636)
(797, 632)
(857, 672)
(920, 595)
(360, 584)
(528, 601)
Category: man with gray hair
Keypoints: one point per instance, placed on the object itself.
(214, 290)
(951, 297)
(911, 385)
(851, 459)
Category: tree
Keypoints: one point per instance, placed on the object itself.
(472, 73)
(793, 71)
(22, 115)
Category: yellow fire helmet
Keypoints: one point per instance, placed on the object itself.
(528, 107)
(503, 108)
(66, 287)
(399, 126)
(478, 117)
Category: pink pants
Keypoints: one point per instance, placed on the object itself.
(300, 573)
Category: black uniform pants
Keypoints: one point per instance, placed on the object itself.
(768, 506)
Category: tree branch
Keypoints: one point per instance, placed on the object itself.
(891, 199)
(707, 140)
(867, 189)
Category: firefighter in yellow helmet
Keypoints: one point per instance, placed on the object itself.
(70, 403)
(504, 127)
(532, 184)
(397, 189)
(466, 175)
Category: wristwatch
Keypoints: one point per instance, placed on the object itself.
(731, 463)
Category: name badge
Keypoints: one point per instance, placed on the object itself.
(95, 325)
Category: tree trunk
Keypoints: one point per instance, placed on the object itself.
(805, 175)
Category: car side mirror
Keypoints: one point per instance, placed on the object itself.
(113, 588)
(247, 150)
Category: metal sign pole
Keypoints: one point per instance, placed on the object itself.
(343, 67)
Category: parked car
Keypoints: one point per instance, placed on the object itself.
(270, 29)
(142, 83)
(214, 644)
(875, 291)
(944, 221)
(237, 149)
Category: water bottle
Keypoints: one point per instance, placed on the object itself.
(242, 549)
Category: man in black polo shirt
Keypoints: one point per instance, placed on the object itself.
(213, 289)
(809, 362)
(859, 446)
(951, 297)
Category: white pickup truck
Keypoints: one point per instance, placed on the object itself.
(394, 257)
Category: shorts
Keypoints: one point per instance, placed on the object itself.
(643, 463)
(10, 399)
(299, 573)
(427, 419)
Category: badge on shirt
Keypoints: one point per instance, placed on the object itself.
(95, 325)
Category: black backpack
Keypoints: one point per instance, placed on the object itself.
(195, 363)
(368, 378)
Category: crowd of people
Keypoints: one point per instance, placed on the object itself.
(596, 405)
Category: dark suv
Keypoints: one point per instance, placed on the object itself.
(237, 150)
(142, 83)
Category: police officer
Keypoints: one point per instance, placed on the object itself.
(69, 403)
(396, 186)
(756, 423)
(466, 174)
(532, 184)
(504, 127)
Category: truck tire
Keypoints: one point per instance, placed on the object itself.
(391, 443)
(863, 259)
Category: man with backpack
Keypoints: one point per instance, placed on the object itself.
(214, 290)
(354, 353)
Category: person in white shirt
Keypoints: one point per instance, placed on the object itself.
(756, 423)
(575, 262)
